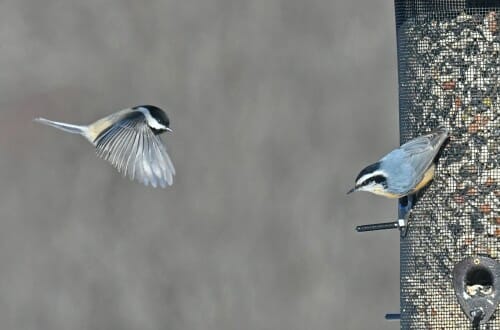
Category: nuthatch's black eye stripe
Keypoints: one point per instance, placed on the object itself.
(380, 179)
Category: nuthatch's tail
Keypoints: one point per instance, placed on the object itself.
(438, 136)
(75, 129)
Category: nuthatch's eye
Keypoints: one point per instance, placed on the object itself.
(380, 179)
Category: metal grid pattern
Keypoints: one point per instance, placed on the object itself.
(449, 74)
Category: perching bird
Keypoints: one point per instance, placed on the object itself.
(129, 140)
(405, 170)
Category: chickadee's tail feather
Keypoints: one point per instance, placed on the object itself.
(75, 129)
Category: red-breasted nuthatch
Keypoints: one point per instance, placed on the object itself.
(405, 170)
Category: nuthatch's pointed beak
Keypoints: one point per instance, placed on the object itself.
(168, 129)
(351, 191)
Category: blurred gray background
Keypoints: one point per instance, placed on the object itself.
(275, 106)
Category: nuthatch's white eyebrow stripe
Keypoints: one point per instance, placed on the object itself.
(371, 175)
(153, 123)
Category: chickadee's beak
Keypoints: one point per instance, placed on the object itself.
(352, 190)
(168, 129)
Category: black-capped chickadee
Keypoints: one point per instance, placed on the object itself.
(129, 139)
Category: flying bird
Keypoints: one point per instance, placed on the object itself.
(130, 140)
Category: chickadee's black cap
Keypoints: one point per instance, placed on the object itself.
(157, 113)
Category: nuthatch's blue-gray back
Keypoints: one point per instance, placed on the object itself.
(405, 170)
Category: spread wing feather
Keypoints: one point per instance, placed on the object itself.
(135, 151)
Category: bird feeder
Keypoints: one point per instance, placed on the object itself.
(449, 74)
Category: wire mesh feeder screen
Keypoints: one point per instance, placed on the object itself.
(449, 74)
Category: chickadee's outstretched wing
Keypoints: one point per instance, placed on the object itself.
(131, 146)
